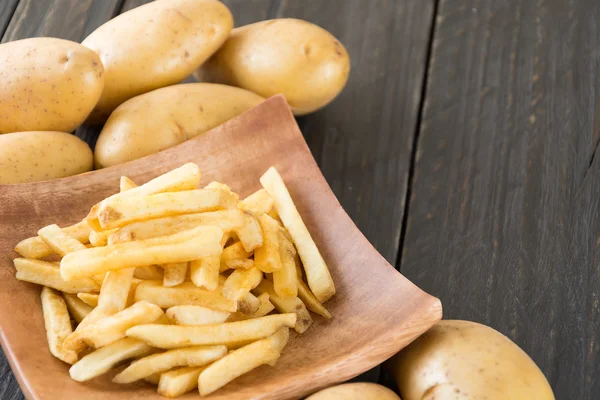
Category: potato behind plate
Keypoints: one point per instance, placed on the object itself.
(462, 359)
(39, 156)
(355, 391)
(48, 84)
(168, 116)
(155, 45)
(304, 62)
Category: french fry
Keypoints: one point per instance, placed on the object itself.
(185, 294)
(241, 361)
(115, 291)
(124, 211)
(98, 239)
(186, 177)
(235, 256)
(287, 305)
(107, 357)
(153, 379)
(35, 247)
(317, 273)
(47, 274)
(196, 315)
(131, 296)
(175, 273)
(91, 299)
(175, 336)
(149, 272)
(242, 263)
(248, 304)
(222, 186)
(205, 272)
(125, 184)
(227, 220)
(259, 202)
(267, 257)
(195, 356)
(311, 302)
(179, 381)
(110, 329)
(77, 308)
(250, 233)
(58, 324)
(58, 241)
(241, 282)
(183, 246)
(285, 280)
(265, 307)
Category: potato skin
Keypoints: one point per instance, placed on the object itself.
(290, 56)
(168, 116)
(355, 391)
(467, 360)
(155, 45)
(41, 155)
(47, 84)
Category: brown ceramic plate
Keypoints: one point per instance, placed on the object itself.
(376, 310)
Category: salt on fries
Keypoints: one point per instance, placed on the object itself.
(182, 280)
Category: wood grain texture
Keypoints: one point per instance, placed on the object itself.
(504, 220)
(364, 331)
(7, 9)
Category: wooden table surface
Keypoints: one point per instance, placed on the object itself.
(464, 147)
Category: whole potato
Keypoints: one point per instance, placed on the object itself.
(156, 45)
(47, 84)
(467, 360)
(168, 116)
(42, 155)
(355, 391)
(290, 56)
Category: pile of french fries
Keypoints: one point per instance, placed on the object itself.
(180, 280)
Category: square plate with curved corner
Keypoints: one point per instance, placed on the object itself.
(376, 310)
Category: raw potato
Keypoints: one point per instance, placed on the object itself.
(165, 117)
(355, 391)
(47, 85)
(290, 56)
(470, 358)
(39, 156)
(156, 45)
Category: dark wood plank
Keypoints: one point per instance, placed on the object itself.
(504, 221)
(7, 9)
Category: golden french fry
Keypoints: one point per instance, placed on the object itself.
(241, 361)
(124, 211)
(227, 220)
(185, 294)
(285, 280)
(196, 315)
(318, 276)
(175, 273)
(183, 246)
(186, 177)
(311, 302)
(110, 329)
(91, 299)
(175, 336)
(267, 257)
(125, 184)
(265, 307)
(248, 304)
(58, 324)
(259, 202)
(35, 247)
(179, 381)
(195, 356)
(250, 233)
(48, 274)
(153, 379)
(222, 186)
(149, 272)
(242, 263)
(235, 256)
(205, 272)
(58, 241)
(273, 214)
(287, 305)
(105, 358)
(77, 308)
(98, 239)
(115, 291)
(242, 281)
(131, 297)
